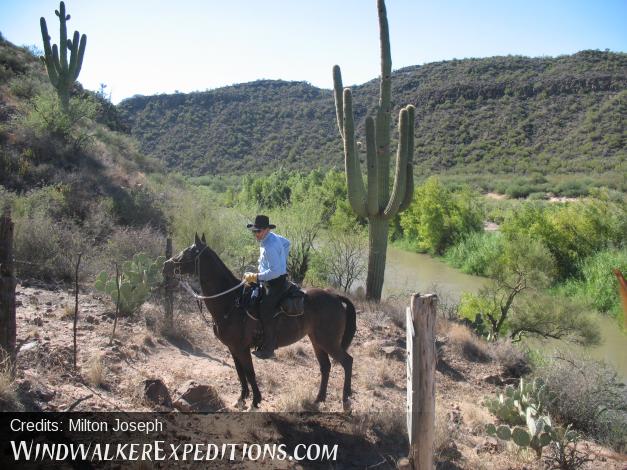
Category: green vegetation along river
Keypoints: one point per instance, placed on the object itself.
(408, 272)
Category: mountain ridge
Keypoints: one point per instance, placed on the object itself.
(507, 114)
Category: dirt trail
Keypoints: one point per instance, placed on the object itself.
(111, 373)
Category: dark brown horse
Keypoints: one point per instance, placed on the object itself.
(329, 320)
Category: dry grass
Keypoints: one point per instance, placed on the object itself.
(442, 432)
(8, 394)
(386, 424)
(301, 398)
(292, 353)
(372, 349)
(474, 416)
(95, 371)
(68, 312)
(468, 344)
(513, 360)
(383, 373)
(386, 312)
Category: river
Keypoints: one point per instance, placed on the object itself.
(408, 272)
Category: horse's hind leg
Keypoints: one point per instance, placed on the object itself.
(346, 360)
(325, 367)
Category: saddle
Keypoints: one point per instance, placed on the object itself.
(291, 303)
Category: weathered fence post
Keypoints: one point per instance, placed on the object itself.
(421, 359)
(7, 286)
(75, 326)
(169, 294)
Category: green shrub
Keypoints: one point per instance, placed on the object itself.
(138, 207)
(476, 252)
(124, 242)
(590, 395)
(597, 285)
(45, 119)
(571, 231)
(46, 249)
(437, 217)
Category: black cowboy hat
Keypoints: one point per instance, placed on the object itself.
(261, 222)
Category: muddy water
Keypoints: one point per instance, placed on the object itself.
(408, 272)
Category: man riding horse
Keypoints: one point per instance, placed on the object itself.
(273, 252)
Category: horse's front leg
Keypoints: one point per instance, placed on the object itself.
(246, 362)
(243, 382)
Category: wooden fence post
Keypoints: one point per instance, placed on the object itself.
(169, 295)
(7, 286)
(421, 359)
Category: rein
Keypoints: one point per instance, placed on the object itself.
(185, 285)
(190, 291)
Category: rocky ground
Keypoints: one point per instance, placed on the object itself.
(112, 376)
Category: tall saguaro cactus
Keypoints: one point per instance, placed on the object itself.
(61, 73)
(373, 200)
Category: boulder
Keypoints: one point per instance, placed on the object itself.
(198, 397)
(155, 391)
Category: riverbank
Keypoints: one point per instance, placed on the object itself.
(407, 270)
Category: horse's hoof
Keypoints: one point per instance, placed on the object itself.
(240, 404)
(252, 408)
(347, 405)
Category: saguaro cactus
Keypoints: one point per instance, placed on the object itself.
(61, 73)
(374, 201)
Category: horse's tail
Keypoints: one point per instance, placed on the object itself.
(351, 322)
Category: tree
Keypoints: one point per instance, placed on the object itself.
(374, 201)
(524, 264)
(344, 258)
(301, 225)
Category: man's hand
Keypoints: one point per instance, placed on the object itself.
(250, 277)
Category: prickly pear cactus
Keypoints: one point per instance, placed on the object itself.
(524, 405)
(511, 406)
(137, 278)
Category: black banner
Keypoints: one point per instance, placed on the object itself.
(196, 440)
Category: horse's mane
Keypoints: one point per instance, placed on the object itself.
(221, 264)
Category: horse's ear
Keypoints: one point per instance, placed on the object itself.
(203, 239)
(196, 239)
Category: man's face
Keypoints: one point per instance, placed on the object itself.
(261, 234)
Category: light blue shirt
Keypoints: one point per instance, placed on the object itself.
(273, 252)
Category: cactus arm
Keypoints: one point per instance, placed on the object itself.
(47, 58)
(56, 64)
(81, 54)
(72, 45)
(386, 55)
(385, 107)
(62, 35)
(398, 193)
(354, 180)
(371, 159)
(339, 102)
(409, 174)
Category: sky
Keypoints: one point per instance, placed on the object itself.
(152, 46)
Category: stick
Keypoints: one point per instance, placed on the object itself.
(77, 402)
(117, 303)
(78, 262)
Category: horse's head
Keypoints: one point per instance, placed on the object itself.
(186, 262)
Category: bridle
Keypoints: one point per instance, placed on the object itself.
(185, 285)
